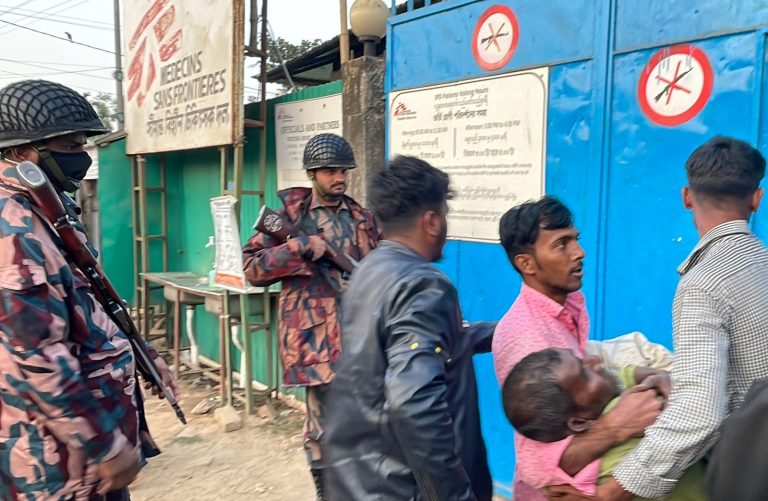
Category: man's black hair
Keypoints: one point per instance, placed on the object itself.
(404, 190)
(534, 401)
(519, 226)
(725, 169)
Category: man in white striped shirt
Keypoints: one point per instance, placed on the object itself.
(720, 321)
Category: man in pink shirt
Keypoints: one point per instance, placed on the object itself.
(550, 312)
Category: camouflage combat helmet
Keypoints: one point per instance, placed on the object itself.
(328, 151)
(35, 110)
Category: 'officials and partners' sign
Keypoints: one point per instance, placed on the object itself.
(296, 122)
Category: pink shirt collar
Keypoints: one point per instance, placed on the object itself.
(535, 322)
(574, 305)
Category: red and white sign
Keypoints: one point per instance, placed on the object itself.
(675, 85)
(495, 38)
(183, 83)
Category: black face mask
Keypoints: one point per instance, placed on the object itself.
(74, 165)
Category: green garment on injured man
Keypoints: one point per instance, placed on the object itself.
(690, 487)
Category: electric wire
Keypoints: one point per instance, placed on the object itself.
(59, 17)
(58, 71)
(11, 9)
(34, 19)
(58, 37)
(51, 62)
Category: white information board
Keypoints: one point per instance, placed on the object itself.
(487, 134)
(295, 123)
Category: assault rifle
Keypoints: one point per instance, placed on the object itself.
(272, 223)
(50, 205)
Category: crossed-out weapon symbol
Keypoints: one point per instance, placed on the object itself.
(672, 84)
(495, 35)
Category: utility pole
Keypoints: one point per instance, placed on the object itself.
(253, 41)
(344, 33)
(120, 115)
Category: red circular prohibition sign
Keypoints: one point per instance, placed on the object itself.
(493, 35)
(673, 84)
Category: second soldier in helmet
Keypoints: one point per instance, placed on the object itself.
(309, 338)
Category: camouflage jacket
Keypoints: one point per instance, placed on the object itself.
(308, 329)
(67, 383)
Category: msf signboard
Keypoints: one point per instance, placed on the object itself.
(488, 135)
(184, 65)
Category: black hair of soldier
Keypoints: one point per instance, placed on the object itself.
(519, 226)
(403, 191)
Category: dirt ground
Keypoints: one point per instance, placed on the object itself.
(264, 460)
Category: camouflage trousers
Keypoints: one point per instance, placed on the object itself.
(313, 430)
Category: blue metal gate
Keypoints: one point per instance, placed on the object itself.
(616, 166)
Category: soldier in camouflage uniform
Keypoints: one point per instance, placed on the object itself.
(69, 425)
(308, 328)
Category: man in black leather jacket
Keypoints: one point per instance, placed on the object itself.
(402, 419)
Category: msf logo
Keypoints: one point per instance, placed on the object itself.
(157, 36)
(402, 112)
(282, 116)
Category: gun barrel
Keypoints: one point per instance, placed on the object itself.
(338, 259)
(149, 372)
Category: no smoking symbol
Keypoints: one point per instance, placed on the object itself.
(495, 38)
(675, 85)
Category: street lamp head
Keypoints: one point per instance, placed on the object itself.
(369, 21)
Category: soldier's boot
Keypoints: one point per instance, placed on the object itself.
(317, 476)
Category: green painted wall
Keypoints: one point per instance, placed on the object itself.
(192, 178)
(115, 217)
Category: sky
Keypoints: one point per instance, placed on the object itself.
(29, 54)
